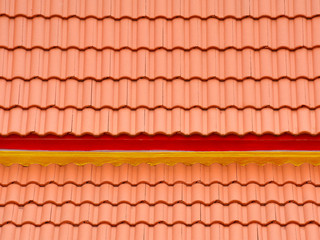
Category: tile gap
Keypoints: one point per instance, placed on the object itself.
(51, 209)
(55, 92)
(91, 99)
(144, 120)
(110, 64)
(162, 34)
(35, 121)
(91, 173)
(19, 89)
(162, 92)
(236, 171)
(108, 121)
(88, 216)
(145, 7)
(127, 89)
(72, 120)
(145, 64)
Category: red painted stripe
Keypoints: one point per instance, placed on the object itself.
(163, 142)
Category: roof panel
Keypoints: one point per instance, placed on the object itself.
(215, 194)
(279, 33)
(160, 213)
(56, 201)
(166, 9)
(160, 93)
(203, 59)
(210, 64)
(159, 121)
(190, 67)
(145, 174)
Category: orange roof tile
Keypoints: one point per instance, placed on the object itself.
(159, 67)
(149, 66)
(161, 202)
(142, 120)
(134, 65)
(116, 94)
(185, 34)
(166, 9)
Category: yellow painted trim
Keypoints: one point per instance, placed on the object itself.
(170, 158)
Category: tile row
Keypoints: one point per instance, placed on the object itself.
(132, 122)
(160, 33)
(160, 231)
(165, 8)
(178, 63)
(122, 93)
(161, 173)
(159, 194)
(160, 213)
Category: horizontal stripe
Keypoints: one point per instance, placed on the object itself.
(170, 158)
(176, 142)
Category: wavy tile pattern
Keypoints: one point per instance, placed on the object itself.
(159, 121)
(178, 63)
(160, 33)
(152, 215)
(166, 9)
(125, 93)
(160, 202)
(147, 66)
(160, 193)
(161, 231)
(155, 175)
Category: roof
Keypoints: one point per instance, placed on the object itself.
(159, 67)
(160, 202)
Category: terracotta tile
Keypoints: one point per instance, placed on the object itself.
(244, 203)
(195, 120)
(139, 64)
(170, 9)
(178, 231)
(160, 193)
(159, 67)
(229, 172)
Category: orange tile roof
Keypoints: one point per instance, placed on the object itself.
(178, 33)
(112, 67)
(149, 94)
(159, 64)
(160, 202)
(222, 9)
(178, 120)
(153, 66)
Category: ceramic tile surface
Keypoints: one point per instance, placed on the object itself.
(160, 202)
(166, 9)
(147, 66)
(159, 67)
(124, 93)
(159, 121)
(190, 66)
(278, 33)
